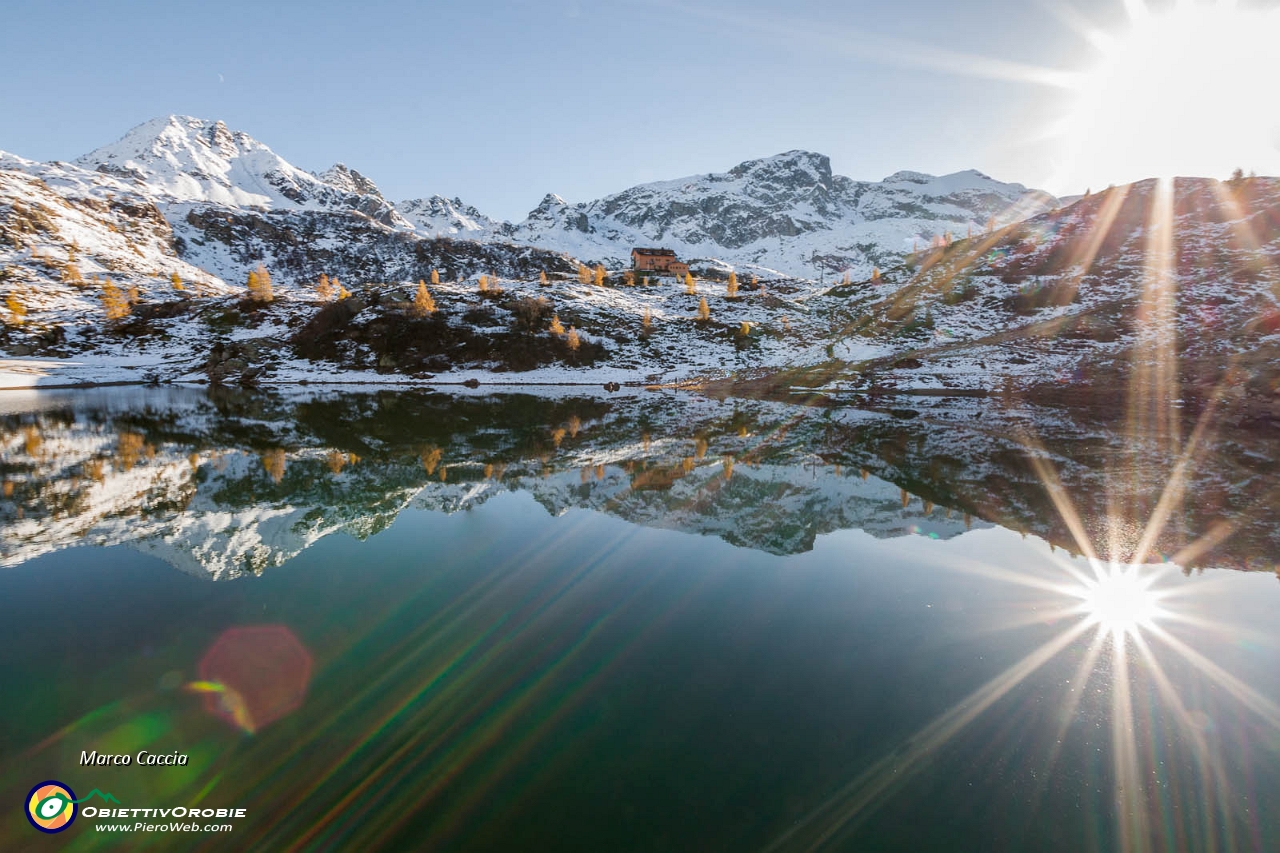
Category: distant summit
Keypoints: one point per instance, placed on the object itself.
(190, 160)
(787, 212)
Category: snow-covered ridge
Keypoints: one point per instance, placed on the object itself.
(445, 216)
(787, 212)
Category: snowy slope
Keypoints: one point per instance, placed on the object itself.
(1145, 279)
(64, 230)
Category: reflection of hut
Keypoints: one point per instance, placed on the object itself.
(658, 260)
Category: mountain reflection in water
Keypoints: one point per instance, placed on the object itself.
(859, 652)
(228, 482)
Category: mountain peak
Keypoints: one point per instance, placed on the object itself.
(908, 177)
(185, 159)
(170, 137)
(796, 167)
(440, 215)
(349, 180)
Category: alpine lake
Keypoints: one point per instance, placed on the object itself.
(570, 620)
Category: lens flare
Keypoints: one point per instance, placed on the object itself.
(253, 675)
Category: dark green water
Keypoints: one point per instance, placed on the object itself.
(678, 626)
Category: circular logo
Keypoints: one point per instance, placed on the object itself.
(51, 806)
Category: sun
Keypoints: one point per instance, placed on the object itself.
(1120, 600)
(1180, 91)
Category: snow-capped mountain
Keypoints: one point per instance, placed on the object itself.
(787, 213)
(190, 198)
(191, 160)
(232, 203)
(184, 208)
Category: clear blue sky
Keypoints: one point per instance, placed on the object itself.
(501, 102)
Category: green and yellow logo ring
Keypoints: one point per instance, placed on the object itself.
(51, 806)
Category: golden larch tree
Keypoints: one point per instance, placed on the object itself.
(542, 278)
(259, 285)
(573, 340)
(176, 281)
(114, 302)
(484, 284)
(875, 275)
(435, 276)
(690, 286)
(16, 302)
(584, 274)
(423, 304)
(732, 287)
(557, 328)
(704, 311)
(599, 275)
(324, 288)
(647, 322)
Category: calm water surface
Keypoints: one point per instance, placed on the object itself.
(516, 638)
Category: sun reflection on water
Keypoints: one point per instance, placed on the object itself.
(1120, 600)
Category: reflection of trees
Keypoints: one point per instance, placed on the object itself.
(31, 440)
(431, 459)
(273, 462)
(130, 447)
